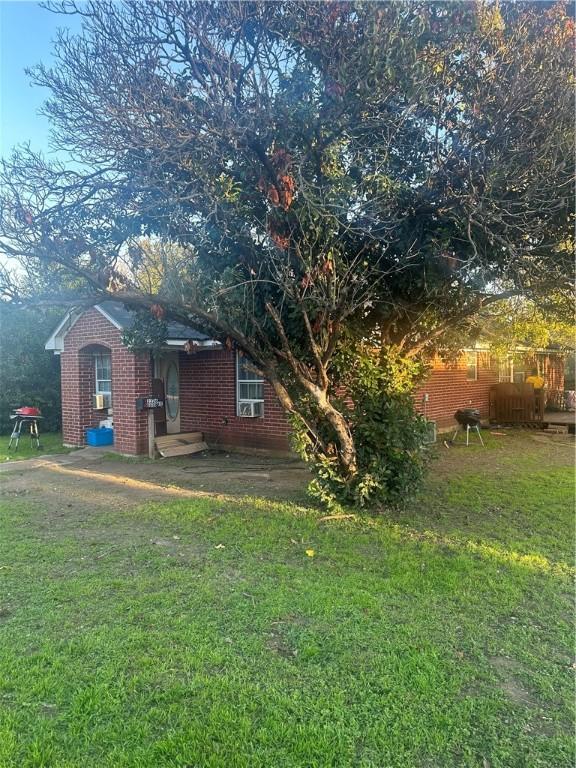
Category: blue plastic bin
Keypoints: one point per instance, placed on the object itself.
(100, 436)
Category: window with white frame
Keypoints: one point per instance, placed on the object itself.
(519, 374)
(249, 388)
(505, 370)
(472, 366)
(103, 365)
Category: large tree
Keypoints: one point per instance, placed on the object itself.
(335, 173)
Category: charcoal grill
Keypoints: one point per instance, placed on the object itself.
(468, 420)
(27, 416)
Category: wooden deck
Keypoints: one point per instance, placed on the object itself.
(559, 417)
(516, 404)
(522, 405)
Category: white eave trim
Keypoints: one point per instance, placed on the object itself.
(514, 350)
(56, 341)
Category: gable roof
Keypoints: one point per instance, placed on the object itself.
(124, 319)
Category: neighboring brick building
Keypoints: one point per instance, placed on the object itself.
(466, 381)
(211, 390)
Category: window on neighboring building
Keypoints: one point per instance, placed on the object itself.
(519, 375)
(472, 366)
(103, 363)
(505, 370)
(249, 388)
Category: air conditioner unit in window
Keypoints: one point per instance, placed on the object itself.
(99, 402)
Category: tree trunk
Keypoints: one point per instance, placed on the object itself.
(344, 439)
(346, 447)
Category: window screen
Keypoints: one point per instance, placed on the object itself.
(471, 366)
(103, 364)
(250, 388)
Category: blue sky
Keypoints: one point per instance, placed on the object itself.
(26, 32)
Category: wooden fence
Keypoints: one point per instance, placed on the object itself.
(516, 404)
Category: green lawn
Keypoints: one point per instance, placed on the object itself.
(50, 442)
(200, 633)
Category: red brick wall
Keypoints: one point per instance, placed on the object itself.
(448, 389)
(208, 392)
(130, 379)
(208, 405)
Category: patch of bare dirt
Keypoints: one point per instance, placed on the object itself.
(277, 644)
(78, 486)
(71, 497)
(232, 474)
(510, 683)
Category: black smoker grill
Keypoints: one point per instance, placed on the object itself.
(468, 419)
(25, 417)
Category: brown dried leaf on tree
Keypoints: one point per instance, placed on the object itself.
(273, 195)
(318, 323)
(281, 241)
(306, 281)
(190, 347)
(157, 311)
(328, 267)
(281, 159)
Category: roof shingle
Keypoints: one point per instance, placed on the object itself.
(125, 318)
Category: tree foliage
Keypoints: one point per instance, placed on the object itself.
(375, 396)
(332, 172)
(521, 322)
(29, 375)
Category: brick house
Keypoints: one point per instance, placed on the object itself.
(466, 381)
(210, 389)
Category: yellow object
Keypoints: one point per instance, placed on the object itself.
(310, 552)
(536, 381)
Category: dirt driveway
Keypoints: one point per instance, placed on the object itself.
(88, 479)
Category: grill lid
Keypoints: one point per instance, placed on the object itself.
(468, 417)
(28, 410)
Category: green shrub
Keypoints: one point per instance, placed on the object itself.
(389, 436)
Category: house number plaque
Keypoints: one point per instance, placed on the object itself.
(149, 403)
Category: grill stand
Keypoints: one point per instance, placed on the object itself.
(475, 428)
(17, 431)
